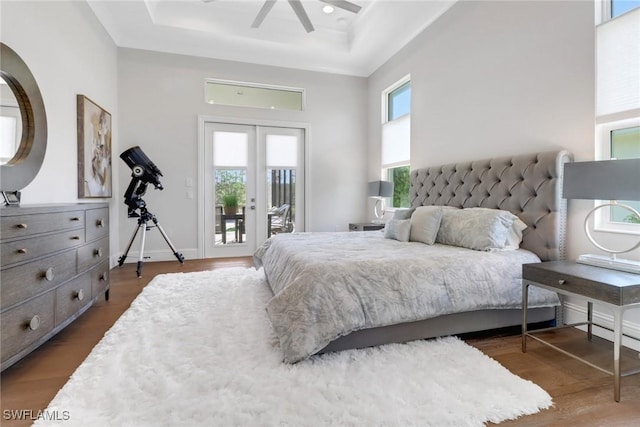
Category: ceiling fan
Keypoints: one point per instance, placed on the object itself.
(298, 9)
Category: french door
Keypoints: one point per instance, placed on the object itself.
(253, 181)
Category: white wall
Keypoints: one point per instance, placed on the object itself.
(500, 78)
(69, 53)
(160, 98)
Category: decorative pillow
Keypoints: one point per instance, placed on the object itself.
(398, 229)
(403, 213)
(481, 229)
(425, 223)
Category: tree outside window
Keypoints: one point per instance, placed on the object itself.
(400, 178)
(230, 182)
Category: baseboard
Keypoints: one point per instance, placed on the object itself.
(574, 313)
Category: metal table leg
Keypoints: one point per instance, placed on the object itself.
(525, 303)
(590, 320)
(617, 342)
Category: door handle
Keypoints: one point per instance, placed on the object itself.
(253, 208)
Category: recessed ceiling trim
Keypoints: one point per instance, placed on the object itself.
(222, 30)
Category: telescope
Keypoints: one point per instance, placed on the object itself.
(143, 173)
(142, 167)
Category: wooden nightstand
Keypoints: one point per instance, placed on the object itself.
(365, 226)
(617, 290)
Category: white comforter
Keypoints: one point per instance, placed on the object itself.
(326, 285)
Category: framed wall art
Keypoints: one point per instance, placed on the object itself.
(94, 149)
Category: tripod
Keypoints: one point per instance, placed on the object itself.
(143, 222)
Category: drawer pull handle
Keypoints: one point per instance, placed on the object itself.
(104, 276)
(100, 222)
(49, 274)
(22, 226)
(79, 295)
(75, 218)
(34, 323)
(22, 251)
(75, 237)
(98, 252)
(561, 282)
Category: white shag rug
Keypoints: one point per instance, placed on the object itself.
(197, 349)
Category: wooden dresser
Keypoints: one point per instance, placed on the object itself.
(54, 265)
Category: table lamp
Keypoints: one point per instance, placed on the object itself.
(379, 190)
(605, 180)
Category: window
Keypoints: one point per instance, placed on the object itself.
(607, 10)
(618, 7)
(618, 100)
(241, 94)
(399, 102)
(619, 140)
(625, 144)
(396, 139)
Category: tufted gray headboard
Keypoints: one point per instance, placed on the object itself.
(529, 186)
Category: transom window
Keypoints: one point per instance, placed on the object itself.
(399, 102)
(256, 95)
(619, 7)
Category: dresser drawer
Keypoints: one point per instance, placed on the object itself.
(97, 223)
(26, 324)
(27, 249)
(100, 279)
(27, 225)
(24, 281)
(72, 296)
(92, 254)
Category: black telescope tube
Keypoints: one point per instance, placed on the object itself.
(133, 157)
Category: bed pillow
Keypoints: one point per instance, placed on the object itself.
(403, 213)
(398, 229)
(514, 236)
(481, 229)
(425, 223)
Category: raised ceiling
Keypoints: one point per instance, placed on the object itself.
(343, 42)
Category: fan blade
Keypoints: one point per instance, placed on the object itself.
(343, 4)
(266, 7)
(297, 7)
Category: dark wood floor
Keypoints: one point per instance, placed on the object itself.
(582, 395)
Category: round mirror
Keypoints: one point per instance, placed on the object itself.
(10, 123)
(22, 156)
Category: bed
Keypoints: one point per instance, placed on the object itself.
(336, 291)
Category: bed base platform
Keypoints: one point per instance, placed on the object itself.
(450, 324)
